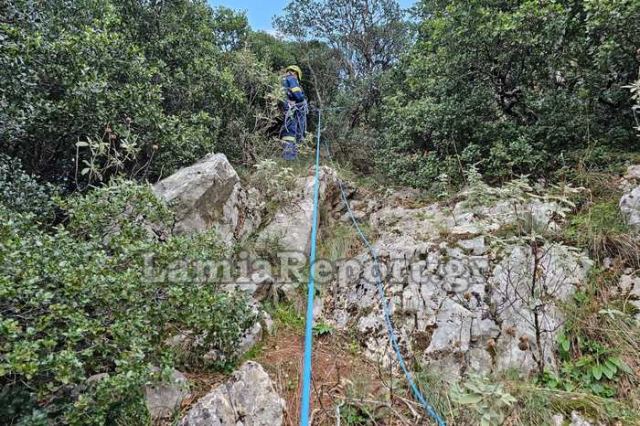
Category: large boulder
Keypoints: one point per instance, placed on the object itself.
(208, 195)
(248, 398)
(163, 399)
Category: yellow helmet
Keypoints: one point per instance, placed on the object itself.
(295, 69)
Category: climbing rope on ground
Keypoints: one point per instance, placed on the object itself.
(308, 336)
(305, 403)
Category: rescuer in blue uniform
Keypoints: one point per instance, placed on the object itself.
(295, 113)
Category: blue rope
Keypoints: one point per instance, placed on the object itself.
(308, 340)
(386, 309)
(308, 337)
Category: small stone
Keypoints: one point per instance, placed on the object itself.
(633, 172)
(164, 399)
(359, 216)
(264, 286)
(630, 207)
(97, 377)
(267, 322)
(250, 338)
(577, 420)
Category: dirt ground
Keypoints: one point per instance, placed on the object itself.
(341, 377)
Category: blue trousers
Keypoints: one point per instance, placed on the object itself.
(293, 129)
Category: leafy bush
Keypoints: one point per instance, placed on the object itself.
(593, 370)
(598, 343)
(513, 87)
(77, 301)
(323, 329)
(275, 182)
(22, 192)
(490, 400)
(144, 88)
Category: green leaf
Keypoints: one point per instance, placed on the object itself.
(608, 372)
(469, 399)
(611, 366)
(621, 365)
(596, 372)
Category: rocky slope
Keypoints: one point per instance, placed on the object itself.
(475, 288)
(476, 284)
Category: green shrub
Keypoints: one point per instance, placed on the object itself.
(91, 89)
(598, 343)
(514, 87)
(593, 370)
(22, 192)
(75, 303)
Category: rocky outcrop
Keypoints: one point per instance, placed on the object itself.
(527, 288)
(463, 299)
(468, 294)
(248, 398)
(208, 195)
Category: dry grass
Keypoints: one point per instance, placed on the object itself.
(342, 377)
(334, 367)
(537, 405)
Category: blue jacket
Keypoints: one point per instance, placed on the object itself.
(292, 87)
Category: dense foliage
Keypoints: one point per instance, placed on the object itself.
(92, 89)
(120, 83)
(23, 192)
(514, 87)
(76, 302)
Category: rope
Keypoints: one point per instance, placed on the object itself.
(308, 337)
(386, 309)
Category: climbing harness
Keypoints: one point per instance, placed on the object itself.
(306, 376)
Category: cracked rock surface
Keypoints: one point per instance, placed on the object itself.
(248, 398)
(462, 298)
